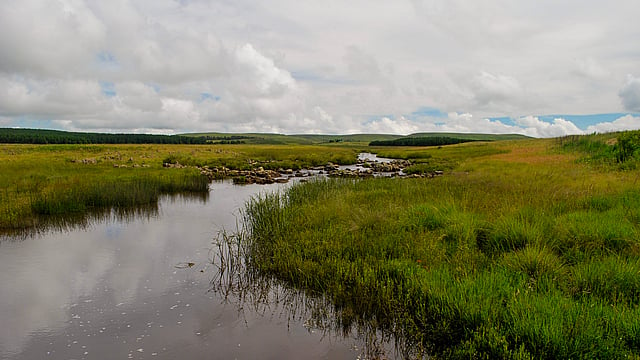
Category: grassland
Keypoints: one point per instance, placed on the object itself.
(523, 250)
(245, 157)
(38, 182)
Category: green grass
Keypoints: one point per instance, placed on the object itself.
(443, 158)
(524, 249)
(519, 252)
(275, 157)
(39, 181)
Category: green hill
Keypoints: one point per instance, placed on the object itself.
(295, 139)
(308, 139)
(42, 136)
(473, 136)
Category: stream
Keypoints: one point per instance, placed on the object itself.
(140, 287)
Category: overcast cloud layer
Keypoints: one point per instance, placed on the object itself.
(298, 66)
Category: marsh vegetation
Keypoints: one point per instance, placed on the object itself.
(41, 182)
(523, 249)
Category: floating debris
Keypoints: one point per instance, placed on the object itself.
(184, 265)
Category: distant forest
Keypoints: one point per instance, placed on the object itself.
(420, 141)
(39, 136)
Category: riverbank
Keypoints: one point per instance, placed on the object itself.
(41, 182)
(146, 286)
(528, 252)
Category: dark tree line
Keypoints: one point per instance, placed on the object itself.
(228, 137)
(38, 136)
(228, 142)
(420, 141)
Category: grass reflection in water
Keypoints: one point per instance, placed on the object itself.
(242, 285)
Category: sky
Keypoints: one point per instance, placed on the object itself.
(540, 68)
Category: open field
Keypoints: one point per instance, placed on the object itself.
(39, 181)
(524, 250)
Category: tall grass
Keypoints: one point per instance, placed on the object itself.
(40, 183)
(75, 198)
(518, 254)
(61, 180)
(274, 157)
(238, 285)
(64, 198)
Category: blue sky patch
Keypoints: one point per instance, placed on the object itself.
(504, 119)
(204, 96)
(427, 111)
(315, 78)
(155, 87)
(106, 57)
(107, 60)
(584, 121)
(373, 118)
(581, 121)
(25, 123)
(108, 88)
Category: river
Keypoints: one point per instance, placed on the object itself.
(140, 287)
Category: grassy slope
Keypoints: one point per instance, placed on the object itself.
(522, 250)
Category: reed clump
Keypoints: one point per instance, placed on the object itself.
(520, 253)
(42, 184)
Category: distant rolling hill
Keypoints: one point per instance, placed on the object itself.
(299, 139)
(470, 136)
(360, 139)
(42, 136)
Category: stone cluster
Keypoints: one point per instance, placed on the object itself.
(254, 176)
(259, 175)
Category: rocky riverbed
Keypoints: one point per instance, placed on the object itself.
(362, 169)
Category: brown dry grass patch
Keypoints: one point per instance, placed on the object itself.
(534, 152)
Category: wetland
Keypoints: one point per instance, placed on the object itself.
(146, 286)
(517, 249)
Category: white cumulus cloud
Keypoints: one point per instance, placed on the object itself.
(627, 122)
(630, 94)
(497, 91)
(260, 73)
(291, 66)
(535, 127)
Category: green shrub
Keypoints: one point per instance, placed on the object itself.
(627, 146)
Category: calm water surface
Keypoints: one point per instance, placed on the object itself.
(123, 289)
